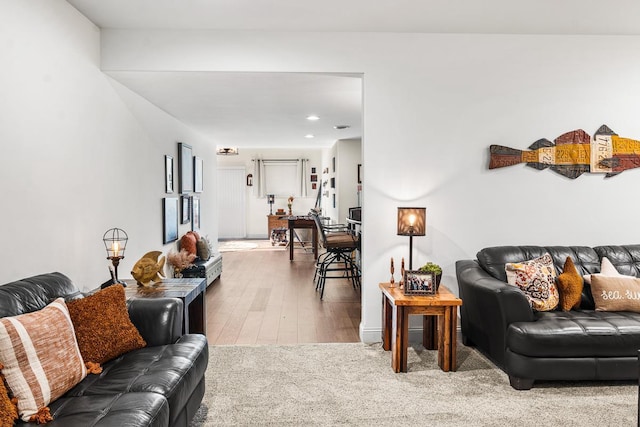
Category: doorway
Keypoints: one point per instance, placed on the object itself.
(231, 203)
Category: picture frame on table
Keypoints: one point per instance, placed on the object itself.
(418, 282)
(169, 219)
(186, 209)
(185, 167)
(197, 174)
(168, 174)
(195, 213)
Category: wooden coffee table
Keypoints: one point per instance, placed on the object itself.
(190, 291)
(440, 323)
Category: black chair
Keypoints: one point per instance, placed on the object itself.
(339, 246)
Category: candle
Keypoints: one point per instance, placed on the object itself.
(412, 220)
(392, 269)
(114, 248)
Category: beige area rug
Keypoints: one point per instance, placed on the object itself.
(246, 245)
(353, 385)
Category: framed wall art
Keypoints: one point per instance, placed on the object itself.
(185, 167)
(195, 213)
(359, 173)
(186, 211)
(197, 174)
(418, 282)
(168, 174)
(169, 219)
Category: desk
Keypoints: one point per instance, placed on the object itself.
(302, 222)
(396, 308)
(190, 291)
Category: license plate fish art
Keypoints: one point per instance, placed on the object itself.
(574, 153)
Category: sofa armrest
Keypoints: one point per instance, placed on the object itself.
(489, 307)
(159, 320)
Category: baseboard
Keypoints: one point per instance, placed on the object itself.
(257, 237)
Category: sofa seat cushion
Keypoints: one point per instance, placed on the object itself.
(172, 371)
(584, 333)
(117, 410)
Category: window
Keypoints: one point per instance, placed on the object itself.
(280, 178)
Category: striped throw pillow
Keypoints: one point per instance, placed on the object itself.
(40, 356)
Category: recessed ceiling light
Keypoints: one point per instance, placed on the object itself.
(313, 118)
(309, 136)
(341, 127)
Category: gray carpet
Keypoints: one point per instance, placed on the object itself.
(353, 384)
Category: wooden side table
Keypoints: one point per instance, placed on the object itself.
(276, 221)
(190, 291)
(440, 334)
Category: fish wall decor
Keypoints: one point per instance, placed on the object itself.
(574, 153)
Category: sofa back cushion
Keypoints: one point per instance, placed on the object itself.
(626, 258)
(586, 261)
(34, 293)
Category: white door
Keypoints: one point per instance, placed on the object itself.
(231, 203)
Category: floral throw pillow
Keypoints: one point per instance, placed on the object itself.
(536, 278)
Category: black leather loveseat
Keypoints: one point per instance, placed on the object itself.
(581, 344)
(158, 385)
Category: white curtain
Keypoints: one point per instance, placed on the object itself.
(258, 178)
(302, 176)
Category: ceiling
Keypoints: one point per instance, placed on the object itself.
(270, 109)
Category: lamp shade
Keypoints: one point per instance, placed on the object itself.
(271, 198)
(115, 241)
(412, 221)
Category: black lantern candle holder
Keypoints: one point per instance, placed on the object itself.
(115, 241)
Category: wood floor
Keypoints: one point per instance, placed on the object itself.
(263, 298)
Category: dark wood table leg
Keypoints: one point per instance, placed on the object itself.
(446, 337)
(430, 332)
(314, 233)
(197, 315)
(185, 317)
(454, 338)
(291, 242)
(399, 339)
(387, 312)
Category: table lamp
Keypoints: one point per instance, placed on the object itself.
(412, 222)
(115, 241)
(271, 198)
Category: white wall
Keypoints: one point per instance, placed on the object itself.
(257, 209)
(349, 156)
(81, 154)
(432, 106)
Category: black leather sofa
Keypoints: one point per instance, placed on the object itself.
(580, 344)
(159, 385)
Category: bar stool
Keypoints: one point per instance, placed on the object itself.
(339, 247)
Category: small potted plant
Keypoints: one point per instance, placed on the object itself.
(435, 269)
